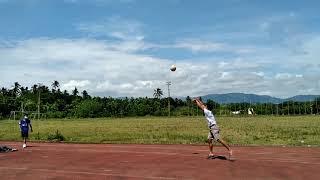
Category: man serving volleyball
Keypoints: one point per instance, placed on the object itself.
(213, 128)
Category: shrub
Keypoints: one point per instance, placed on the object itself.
(56, 137)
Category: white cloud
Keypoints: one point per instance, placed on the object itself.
(80, 61)
(278, 21)
(310, 49)
(266, 55)
(283, 76)
(116, 66)
(267, 93)
(198, 46)
(116, 27)
(107, 68)
(72, 84)
(261, 74)
(124, 35)
(240, 64)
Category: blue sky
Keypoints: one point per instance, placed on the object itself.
(125, 47)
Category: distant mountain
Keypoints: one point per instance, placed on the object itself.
(302, 98)
(253, 98)
(249, 98)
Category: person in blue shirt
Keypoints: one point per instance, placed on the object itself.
(24, 124)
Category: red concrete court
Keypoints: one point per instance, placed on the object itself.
(113, 161)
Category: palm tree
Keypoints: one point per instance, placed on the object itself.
(4, 91)
(75, 91)
(55, 85)
(85, 94)
(157, 93)
(65, 93)
(16, 89)
(34, 88)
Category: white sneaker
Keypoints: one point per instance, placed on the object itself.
(24, 146)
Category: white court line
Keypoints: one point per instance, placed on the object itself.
(151, 146)
(110, 151)
(87, 173)
(139, 153)
(87, 146)
(276, 160)
(106, 150)
(264, 153)
(22, 168)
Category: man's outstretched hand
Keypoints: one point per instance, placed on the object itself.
(196, 99)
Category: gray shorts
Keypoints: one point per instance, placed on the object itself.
(214, 132)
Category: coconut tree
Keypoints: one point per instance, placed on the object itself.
(34, 88)
(17, 89)
(157, 93)
(55, 85)
(85, 94)
(75, 92)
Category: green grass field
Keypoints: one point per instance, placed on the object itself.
(258, 130)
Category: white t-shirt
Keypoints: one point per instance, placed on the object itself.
(210, 118)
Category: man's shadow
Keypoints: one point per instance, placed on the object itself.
(220, 157)
(28, 146)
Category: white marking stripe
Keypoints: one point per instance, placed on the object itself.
(138, 153)
(87, 173)
(107, 151)
(110, 146)
(282, 161)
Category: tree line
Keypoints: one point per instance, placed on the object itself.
(54, 103)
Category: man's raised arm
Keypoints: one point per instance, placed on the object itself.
(199, 103)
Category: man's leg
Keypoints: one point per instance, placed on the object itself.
(210, 147)
(226, 146)
(24, 140)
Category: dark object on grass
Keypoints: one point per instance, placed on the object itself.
(56, 137)
(4, 149)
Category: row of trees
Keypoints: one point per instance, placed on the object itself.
(285, 108)
(55, 103)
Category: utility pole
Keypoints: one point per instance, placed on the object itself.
(22, 108)
(39, 101)
(311, 110)
(299, 105)
(294, 109)
(168, 84)
(288, 108)
(305, 108)
(317, 105)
